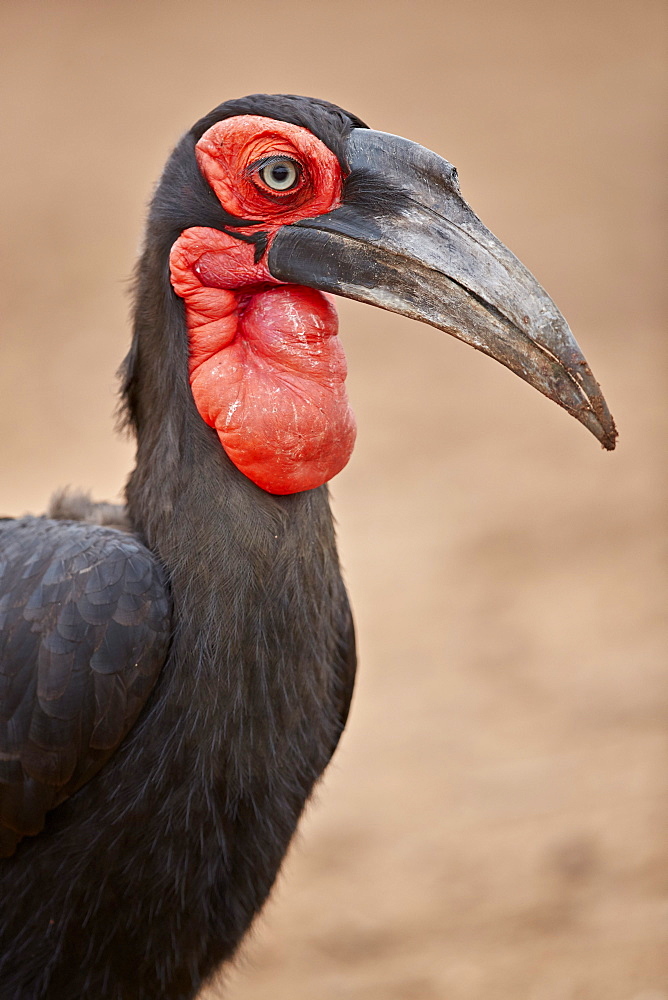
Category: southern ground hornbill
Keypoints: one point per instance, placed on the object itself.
(175, 677)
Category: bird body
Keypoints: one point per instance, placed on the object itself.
(191, 670)
(148, 877)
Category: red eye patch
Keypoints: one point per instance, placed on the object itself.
(234, 154)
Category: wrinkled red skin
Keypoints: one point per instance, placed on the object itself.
(267, 370)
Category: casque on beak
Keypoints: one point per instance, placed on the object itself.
(404, 239)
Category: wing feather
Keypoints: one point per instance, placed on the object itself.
(84, 632)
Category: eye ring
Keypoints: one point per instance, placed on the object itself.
(281, 174)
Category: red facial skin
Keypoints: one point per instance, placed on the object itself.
(267, 370)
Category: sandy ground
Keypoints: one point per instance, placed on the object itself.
(494, 824)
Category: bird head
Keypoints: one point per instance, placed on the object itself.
(271, 202)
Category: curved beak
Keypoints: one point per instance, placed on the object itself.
(404, 239)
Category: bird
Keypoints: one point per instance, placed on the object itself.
(175, 673)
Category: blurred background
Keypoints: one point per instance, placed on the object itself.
(495, 822)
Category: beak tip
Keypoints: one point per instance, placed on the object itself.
(609, 442)
(605, 430)
(594, 414)
(608, 437)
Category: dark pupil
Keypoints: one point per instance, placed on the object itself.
(279, 173)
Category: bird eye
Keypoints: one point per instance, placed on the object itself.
(279, 173)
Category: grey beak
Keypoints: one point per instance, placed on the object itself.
(404, 239)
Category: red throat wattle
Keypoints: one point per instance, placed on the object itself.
(267, 370)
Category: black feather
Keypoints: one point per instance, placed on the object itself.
(146, 879)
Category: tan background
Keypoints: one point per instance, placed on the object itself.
(495, 824)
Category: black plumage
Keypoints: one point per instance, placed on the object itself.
(84, 631)
(146, 879)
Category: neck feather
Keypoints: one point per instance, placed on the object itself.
(259, 605)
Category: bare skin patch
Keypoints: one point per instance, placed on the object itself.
(267, 369)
